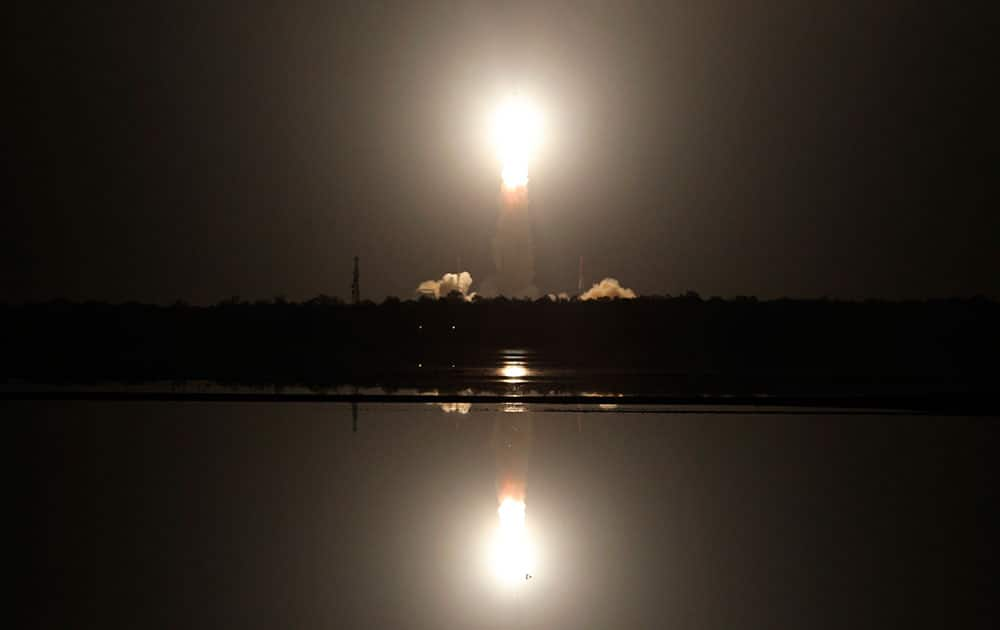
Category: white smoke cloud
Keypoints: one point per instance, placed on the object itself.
(449, 282)
(562, 296)
(608, 288)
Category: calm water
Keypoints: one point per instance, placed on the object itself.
(278, 515)
(518, 372)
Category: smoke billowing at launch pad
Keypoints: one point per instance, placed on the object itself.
(459, 282)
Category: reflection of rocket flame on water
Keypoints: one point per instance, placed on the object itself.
(513, 552)
(516, 130)
(512, 438)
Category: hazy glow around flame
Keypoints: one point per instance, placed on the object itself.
(516, 131)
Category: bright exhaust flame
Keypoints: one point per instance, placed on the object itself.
(511, 515)
(516, 132)
(513, 553)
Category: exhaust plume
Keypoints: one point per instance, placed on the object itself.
(608, 288)
(513, 250)
(449, 282)
(517, 131)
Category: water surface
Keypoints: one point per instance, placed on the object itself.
(145, 514)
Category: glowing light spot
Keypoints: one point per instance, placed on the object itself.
(517, 130)
(511, 514)
(513, 371)
(513, 555)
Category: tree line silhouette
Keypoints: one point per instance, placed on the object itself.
(682, 342)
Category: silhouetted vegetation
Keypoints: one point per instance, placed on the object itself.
(685, 343)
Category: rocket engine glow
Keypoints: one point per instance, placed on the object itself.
(516, 133)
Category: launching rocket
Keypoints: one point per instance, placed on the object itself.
(517, 128)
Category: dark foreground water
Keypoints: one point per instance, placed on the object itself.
(181, 515)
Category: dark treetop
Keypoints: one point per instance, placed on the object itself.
(652, 344)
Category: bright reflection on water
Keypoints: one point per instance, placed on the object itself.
(279, 515)
(514, 368)
(456, 407)
(512, 373)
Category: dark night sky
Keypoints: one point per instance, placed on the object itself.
(768, 148)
